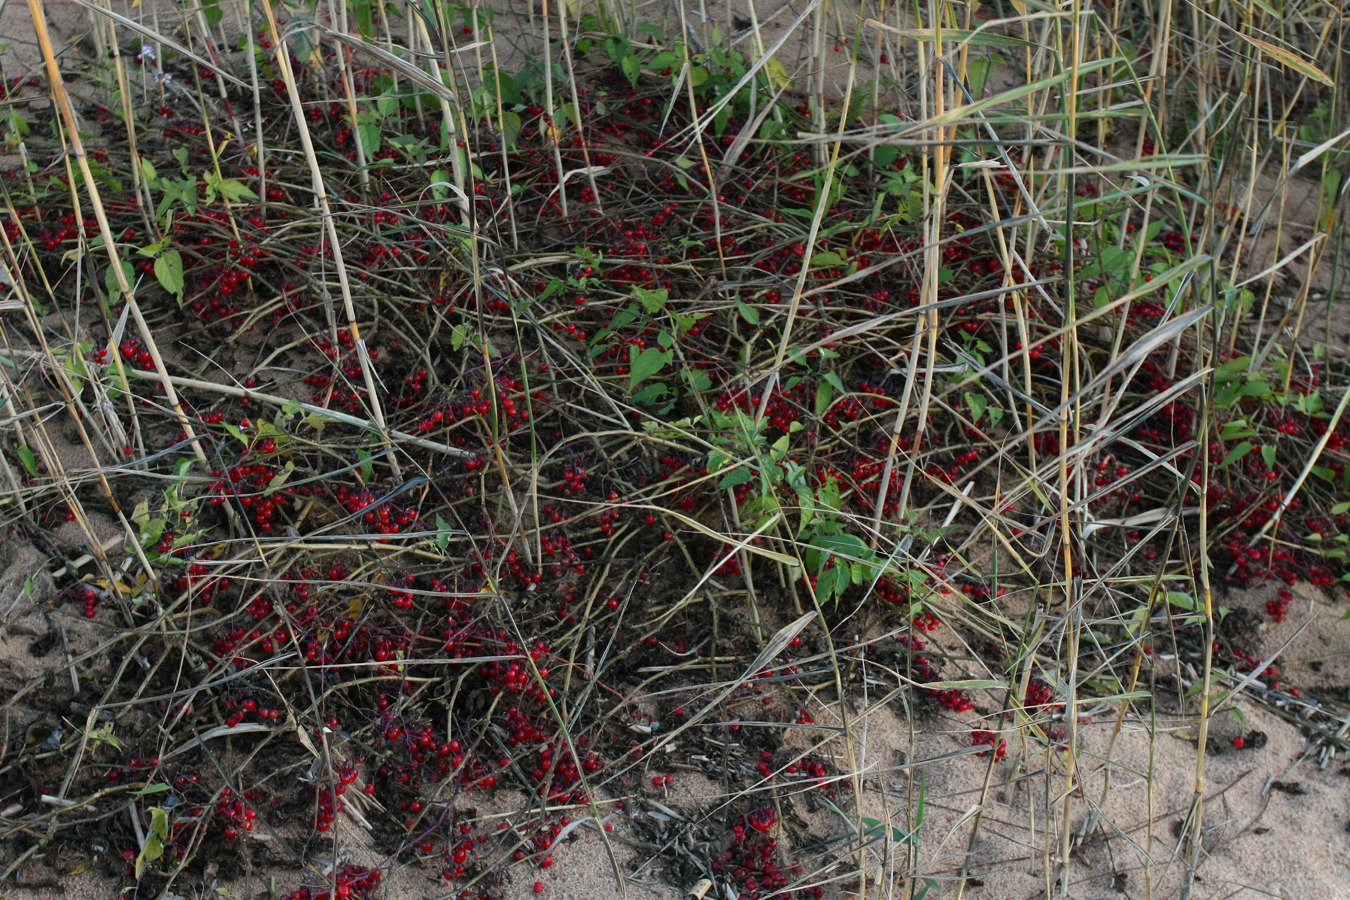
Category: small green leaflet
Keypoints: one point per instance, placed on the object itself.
(831, 583)
(978, 404)
(369, 132)
(631, 68)
(228, 188)
(642, 365)
(1236, 453)
(653, 301)
(442, 533)
(748, 312)
(737, 476)
(28, 459)
(169, 272)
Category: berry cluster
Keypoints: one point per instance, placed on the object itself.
(235, 813)
(752, 862)
(382, 518)
(350, 882)
(239, 708)
(923, 672)
(251, 486)
(1039, 695)
(1278, 606)
(983, 737)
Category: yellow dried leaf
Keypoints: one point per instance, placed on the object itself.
(1289, 60)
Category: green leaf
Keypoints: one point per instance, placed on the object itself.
(1116, 261)
(666, 59)
(1268, 454)
(978, 404)
(651, 393)
(363, 12)
(279, 480)
(748, 312)
(645, 364)
(368, 130)
(697, 379)
(212, 12)
(1182, 600)
(1236, 429)
(442, 533)
(150, 251)
(511, 125)
(846, 545)
(686, 322)
(110, 280)
(154, 840)
(808, 509)
(228, 188)
(977, 73)
(1227, 394)
(1258, 389)
(1309, 404)
(169, 272)
(826, 259)
(156, 788)
(151, 532)
(653, 301)
(631, 68)
(885, 155)
(1231, 369)
(28, 459)
(824, 397)
(616, 48)
(833, 379)
(831, 583)
(828, 493)
(1236, 454)
(737, 476)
